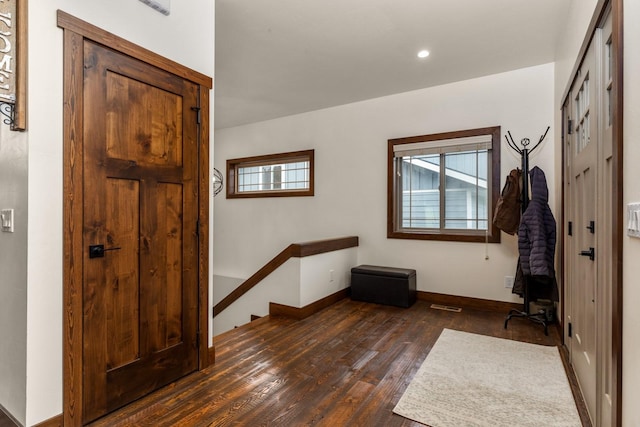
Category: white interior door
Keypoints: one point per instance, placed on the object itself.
(604, 314)
(588, 209)
(583, 152)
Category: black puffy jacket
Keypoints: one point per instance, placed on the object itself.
(537, 232)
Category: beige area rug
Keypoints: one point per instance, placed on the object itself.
(475, 380)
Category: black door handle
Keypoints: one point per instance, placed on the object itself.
(591, 253)
(97, 251)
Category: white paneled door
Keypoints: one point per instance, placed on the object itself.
(588, 238)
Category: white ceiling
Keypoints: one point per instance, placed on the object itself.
(280, 57)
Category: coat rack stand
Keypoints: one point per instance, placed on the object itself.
(525, 151)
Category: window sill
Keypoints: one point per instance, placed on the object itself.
(451, 237)
(301, 193)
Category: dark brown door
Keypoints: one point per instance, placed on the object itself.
(140, 270)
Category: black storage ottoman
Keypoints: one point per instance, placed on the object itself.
(383, 285)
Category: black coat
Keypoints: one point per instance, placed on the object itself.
(537, 231)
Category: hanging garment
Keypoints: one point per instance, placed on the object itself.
(537, 239)
(518, 281)
(507, 214)
(539, 287)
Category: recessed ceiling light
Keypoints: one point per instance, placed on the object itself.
(423, 54)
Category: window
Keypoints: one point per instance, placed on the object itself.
(583, 108)
(273, 175)
(608, 79)
(443, 186)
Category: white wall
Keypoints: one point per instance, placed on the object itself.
(296, 283)
(281, 286)
(325, 274)
(631, 246)
(568, 47)
(13, 274)
(191, 24)
(350, 145)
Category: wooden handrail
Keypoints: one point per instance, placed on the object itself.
(294, 250)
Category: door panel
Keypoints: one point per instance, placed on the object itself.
(156, 133)
(121, 272)
(140, 202)
(605, 231)
(583, 153)
(167, 311)
(584, 319)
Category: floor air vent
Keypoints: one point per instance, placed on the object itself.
(446, 308)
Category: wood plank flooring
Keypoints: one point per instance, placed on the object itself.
(347, 365)
(5, 421)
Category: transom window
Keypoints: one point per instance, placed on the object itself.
(273, 175)
(442, 186)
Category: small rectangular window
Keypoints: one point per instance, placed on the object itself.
(443, 186)
(273, 175)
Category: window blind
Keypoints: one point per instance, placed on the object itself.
(469, 143)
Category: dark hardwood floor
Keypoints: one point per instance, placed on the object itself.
(5, 421)
(345, 366)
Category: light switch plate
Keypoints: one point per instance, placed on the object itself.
(6, 220)
(633, 219)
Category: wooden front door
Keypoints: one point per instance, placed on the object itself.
(140, 213)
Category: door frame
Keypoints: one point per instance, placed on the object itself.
(617, 183)
(76, 32)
